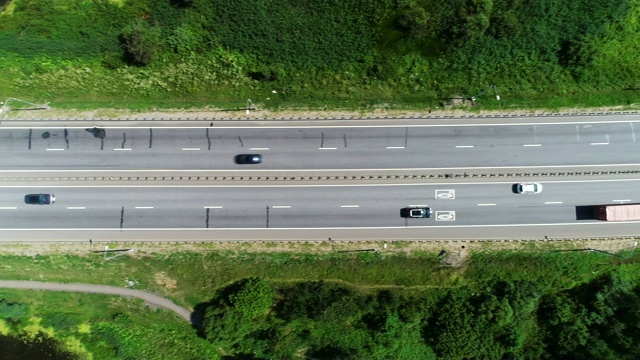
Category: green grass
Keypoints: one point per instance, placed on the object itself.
(107, 327)
(198, 275)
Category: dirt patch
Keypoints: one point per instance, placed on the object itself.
(163, 279)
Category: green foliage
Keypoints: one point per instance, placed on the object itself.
(141, 41)
(255, 298)
(308, 33)
(13, 311)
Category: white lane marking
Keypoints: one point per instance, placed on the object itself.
(123, 149)
(621, 200)
(8, 207)
(258, 148)
(144, 207)
(530, 145)
(326, 148)
(349, 206)
(329, 170)
(395, 147)
(581, 224)
(190, 149)
(553, 202)
(446, 194)
(486, 204)
(418, 205)
(600, 143)
(281, 207)
(76, 207)
(535, 134)
(633, 132)
(55, 149)
(213, 207)
(445, 215)
(464, 146)
(578, 133)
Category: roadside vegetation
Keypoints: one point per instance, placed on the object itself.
(350, 305)
(321, 54)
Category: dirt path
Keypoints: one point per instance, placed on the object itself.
(150, 298)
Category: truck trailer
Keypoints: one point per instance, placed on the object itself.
(618, 212)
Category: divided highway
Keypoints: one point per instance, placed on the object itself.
(461, 209)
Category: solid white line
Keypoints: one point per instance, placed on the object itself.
(600, 143)
(553, 202)
(122, 149)
(486, 204)
(76, 207)
(144, 207)
(395, 147)
(622, 200)
(326, 148)
(418, 205)
(329, 170)
(258, 148)
(384, 126)
(213, 207)
(307, 185)
(531, 145)
(281, 207)
(349, 206)
(55, 149)
(190, 149)
(8, 208)
(464, 146)
(160, 230)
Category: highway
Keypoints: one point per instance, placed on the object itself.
(305, 148)
(197, 210)
(291, 206)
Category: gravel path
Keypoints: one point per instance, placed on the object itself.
(149, 298)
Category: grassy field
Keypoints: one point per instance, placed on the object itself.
(105, 326)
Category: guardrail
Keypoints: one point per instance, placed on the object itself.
(363, 117)
(322, 178)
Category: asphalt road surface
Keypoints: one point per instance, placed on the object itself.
(299, 207)
(339, 147)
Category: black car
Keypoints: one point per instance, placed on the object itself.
(39, 199)
(244, 159)
(416, 212)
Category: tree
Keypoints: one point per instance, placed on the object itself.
(141, 42)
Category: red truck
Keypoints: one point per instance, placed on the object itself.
(618, 212)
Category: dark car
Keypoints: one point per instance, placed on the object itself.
(39, 199)
(416, 212)
(244, 159)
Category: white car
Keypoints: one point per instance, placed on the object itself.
(528, 188)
